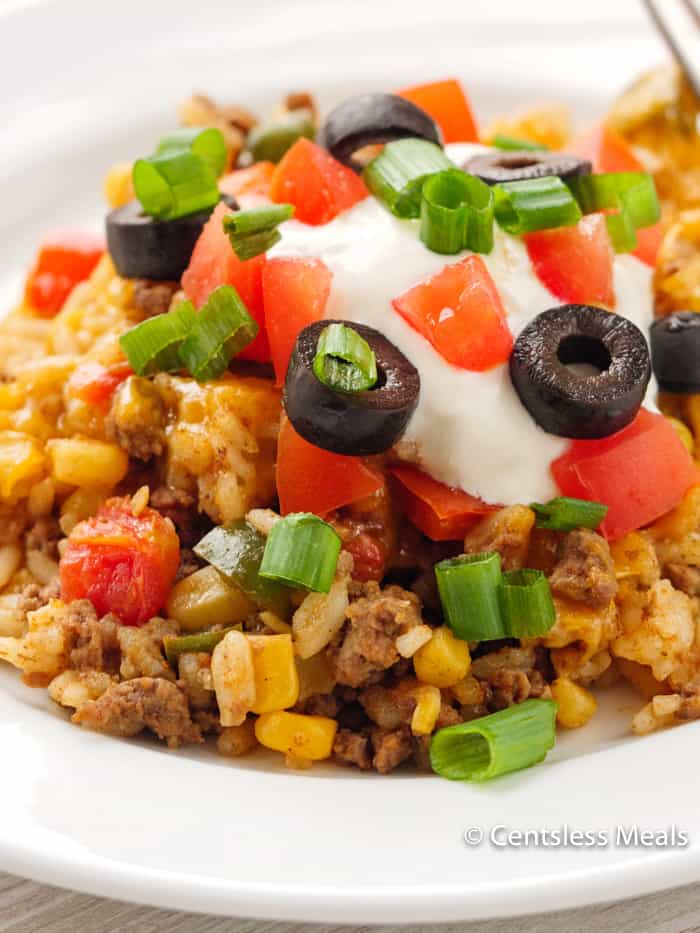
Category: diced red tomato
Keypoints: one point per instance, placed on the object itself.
(316, 184)
(254, 180)
(96, 384)
(310, 479)
(122, 563)
(575, 263)
(459, 311)
(214, 263)
(448, 105)
(369, 556)
(67, 256)
(295, 292)
(440, 512)
(649, 242)
(607, 150)
(640, 473)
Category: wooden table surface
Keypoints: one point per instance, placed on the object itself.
(26, 907)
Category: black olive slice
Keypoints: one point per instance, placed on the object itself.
(675, 351)
(369, 119)
(144, 248)
(580, 371)
(359, 423)
(497, 167)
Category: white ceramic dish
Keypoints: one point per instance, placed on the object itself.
(88, 84)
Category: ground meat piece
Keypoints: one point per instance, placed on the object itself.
(142, 649)
(448, 716)
(365, 646)
(320, 704)
(507, 676)
(352, 716)
(508, 688)
(685, 577)
(585, 571)
(391, 747)
(44, 536)
(180, 506)
(31, 598)
(189, 564)
(506, 531)
(136, 419)
(353, 748)
(153, 298)
(145, 703)
(95, 641)
(300, 100)
(421, 752)
(390, 707)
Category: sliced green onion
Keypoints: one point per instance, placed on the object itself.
(223, 328)
(153, 345)
(526, 603)
(631, 194)
(397, 174)
(566, 514)
(206, 142)
(237, 551)
(506, 741)
(456, 213)
(175, 645)
(255, 231)
(344, 360)
(302, 551)
(535, 204)
(174, 184)
(270, 141)
(468, 587)
(499, 141)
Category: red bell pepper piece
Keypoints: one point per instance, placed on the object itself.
(640, 473)
(448, 105)
(214, 263)
(310, 479)
(459, 311)
(575, 263)
(316, 184)
(440, 512)
(295, 292)
(96, 384)
(66, 257)
(122, 563)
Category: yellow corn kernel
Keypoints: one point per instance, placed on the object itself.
(443, 661)
(576, 704)
(683, 431)
(428, 701)
(21, 462)
(117, 186)
(205, 598)
(84, 462)
(296, 735)
(276, 678)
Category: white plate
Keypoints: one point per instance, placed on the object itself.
(86, 84)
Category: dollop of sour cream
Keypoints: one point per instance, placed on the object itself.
(470, 429)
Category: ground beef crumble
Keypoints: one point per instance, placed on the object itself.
(153, 298)
(585, 571)
(44, 536)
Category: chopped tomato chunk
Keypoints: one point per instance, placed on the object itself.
(66, 257)
(607, 150)
(295, 292)
(448, 105)
(440, 512)
(640, 473)
(310, 479)
(96, 384)
(649, 242)
(459, 311)
(254, 180)
(122, 563)
(214, 263)
(316, 184)
(575, 263)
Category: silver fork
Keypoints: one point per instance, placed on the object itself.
(678, 21)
